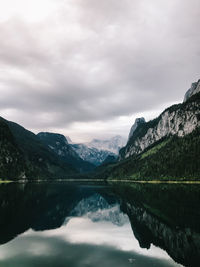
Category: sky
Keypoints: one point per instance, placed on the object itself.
(89, 68)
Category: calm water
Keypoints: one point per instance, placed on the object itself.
(86, 225)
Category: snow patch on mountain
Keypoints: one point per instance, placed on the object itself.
(113, 145)
(92, 155)
(97, 150)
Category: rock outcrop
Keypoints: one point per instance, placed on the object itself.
(138, 121)
(180, 120)
(195, 88)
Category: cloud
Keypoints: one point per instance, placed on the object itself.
(95, 61)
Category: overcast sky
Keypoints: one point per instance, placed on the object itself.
(88, 68)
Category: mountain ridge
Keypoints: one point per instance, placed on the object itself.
(59, 145)
(97, 150)
(37, 160)
(179, 119)
(165, 148)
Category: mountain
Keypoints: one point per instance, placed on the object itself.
(60, 146)
(68, 140)
(113, 145)
(194, 89)
(138, 121)
(110, 159)
(24, 156)
(97, 150)
(11, 157)
(178, 120)
(91, 154)
(167, 147)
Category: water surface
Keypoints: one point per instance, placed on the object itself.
(93, 225)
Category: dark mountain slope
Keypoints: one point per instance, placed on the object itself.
(169, 159)
(38, 161)
(167, 147)
(59, 145)
(11, 157)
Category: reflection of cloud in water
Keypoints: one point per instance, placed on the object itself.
(84, 231)
(96, 233)
(60, 253)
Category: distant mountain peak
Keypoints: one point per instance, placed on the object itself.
(53, 136)
(194, 89)
(113, 144)
(69, 140)
(91, 154)
(138, 121)
(98, 150)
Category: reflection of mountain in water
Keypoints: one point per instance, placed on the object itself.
(166, 216)
(47, 206)
(98, 209)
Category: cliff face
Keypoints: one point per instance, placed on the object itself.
(138, 121)
(195, 88)
(177, 120)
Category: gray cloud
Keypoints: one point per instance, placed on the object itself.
(93, 61)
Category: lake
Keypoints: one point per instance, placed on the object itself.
(79, 225)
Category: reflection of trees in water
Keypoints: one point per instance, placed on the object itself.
(164, 215)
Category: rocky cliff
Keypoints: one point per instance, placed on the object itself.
(179, 120)
(195, 88)
(138, 121)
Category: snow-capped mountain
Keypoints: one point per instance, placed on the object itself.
(113, 145)
(97, 150)
(91, 154)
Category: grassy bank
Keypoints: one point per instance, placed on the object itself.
(5, 181)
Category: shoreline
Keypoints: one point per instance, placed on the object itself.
(6, 181)
(155, 182)
(102, 180)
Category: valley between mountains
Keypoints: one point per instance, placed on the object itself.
(165, 148)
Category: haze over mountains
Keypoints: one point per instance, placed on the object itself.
(97, 151)
(167, 146)
(25, 155)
